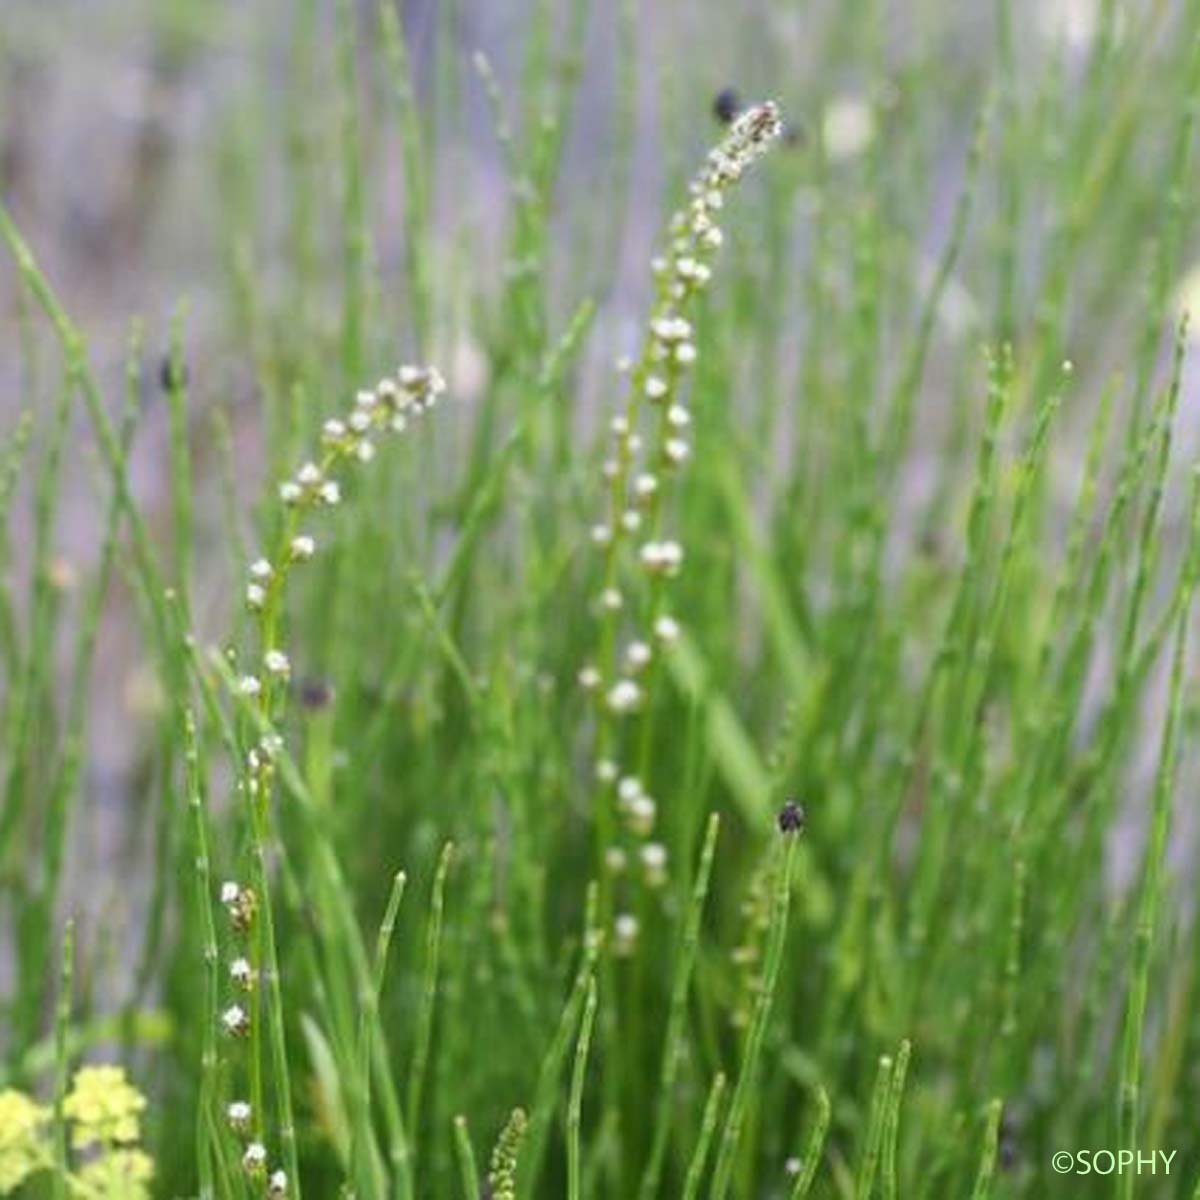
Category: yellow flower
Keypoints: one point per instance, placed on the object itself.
(22, 1151)
(118, 1175)
(104, 1106)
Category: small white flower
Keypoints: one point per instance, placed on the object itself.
(289, 492)
(231, 892)
(238, 1114)
(623, 364)
(589, 679)
(606, 770)
(686, 267)
(638, 655)
(645, 485)
(277, 1185)
(303, 548)
(360, 421)
(676, 451)
(658, 264)
(629, 789)
(330, 492)
(277, 662)
(624, 696)
(601, 535)
(641, 815)
(634, 444)
(610, 468)
(610, 599)
(242, 973)
(364, 451)
(255, 1158)
(334, 430)
(399, 423)
(662, 556)
(249, 685)
(685, 353)
(656, 387)
(619, 426)
(712, 237)
(625, 929)
(309, 475)
(260, 569)
(235, 1020)
(678, 417)
(255, 596)
(654, 863)
(614, 859)
(666, 629)
(631, 520)
(366, 400)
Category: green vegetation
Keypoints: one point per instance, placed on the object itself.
(746, 758)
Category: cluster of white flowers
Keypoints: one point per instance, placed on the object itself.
(638, 468)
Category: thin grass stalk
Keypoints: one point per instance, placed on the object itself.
(429, 985)
(1150, 902)
(468, 1168)
(62, 1026)
(369, 1014)
(891, 1125)
(742, 1092)
(205, 1115)
(811, 1162)
(987, 1160)
(868, 1163)
(575, 1097)
(673, 1039)
(708, 1127)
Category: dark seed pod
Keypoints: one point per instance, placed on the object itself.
(791, 818)
(315, 694)
(727, 105)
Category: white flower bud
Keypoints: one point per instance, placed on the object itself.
(255, 1158)
(666, 629)
(238, 1114)
(638, 655)
(624, 696)
(277, 662)
(235, 1020)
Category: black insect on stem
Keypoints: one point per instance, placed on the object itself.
(727, 105)
(791, 818)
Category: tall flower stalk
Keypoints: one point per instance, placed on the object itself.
(649, 446)
(387, 408)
